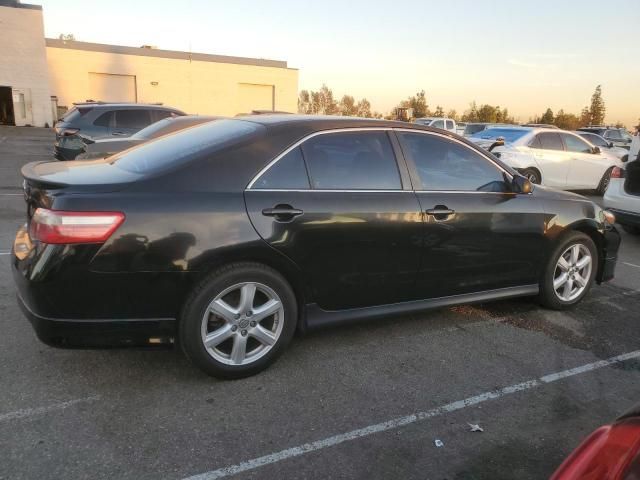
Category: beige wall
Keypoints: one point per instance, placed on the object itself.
(23, 64)
(197, 87)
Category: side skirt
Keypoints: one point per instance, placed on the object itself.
(316, 317)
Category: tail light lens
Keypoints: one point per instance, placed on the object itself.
(609, 453)
(66, 132)
(617, 172)
(63, 227)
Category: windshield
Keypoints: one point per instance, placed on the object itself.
(172, 150)
(509, 134)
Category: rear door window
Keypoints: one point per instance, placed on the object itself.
(550, 141)
(134, 119)
(352, 161)
(104, 120)
(288, 173)
(449, 124)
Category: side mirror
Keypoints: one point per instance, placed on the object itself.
(498, 143)
(610, 144)
(521, 184)
(595, 150)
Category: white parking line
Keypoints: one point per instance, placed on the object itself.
(409, 419)
(29, 412)
(12, 194)
(5, 253)
(631, 264)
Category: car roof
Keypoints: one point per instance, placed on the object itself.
(327, 122)
(101, 105)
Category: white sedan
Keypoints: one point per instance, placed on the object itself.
(551, 157)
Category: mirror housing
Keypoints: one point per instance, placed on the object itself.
(610, 144)
(596, 150)
(521, 184)
(498, 143)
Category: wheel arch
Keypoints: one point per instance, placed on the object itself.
(593, 230)
(265, 255)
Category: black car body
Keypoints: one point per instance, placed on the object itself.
(95, 120)
(342, 210)
(104, 147)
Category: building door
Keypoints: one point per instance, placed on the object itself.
(6, 107)
(107, 87)
(22, 110)
(253, 96)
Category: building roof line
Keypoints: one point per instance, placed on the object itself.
(153, 52)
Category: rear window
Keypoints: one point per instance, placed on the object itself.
(75, 113)
(171, 151)
(509, 134)
(471, 129)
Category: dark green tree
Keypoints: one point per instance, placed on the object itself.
(547, 117)
(597, 109)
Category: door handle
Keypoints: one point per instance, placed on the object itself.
(282, 213)
(440, 212)
(118, 134)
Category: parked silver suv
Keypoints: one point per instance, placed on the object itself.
(103, 120)
(618, 136)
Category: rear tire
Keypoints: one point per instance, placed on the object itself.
(604, 182)
(565, 282)
(532, 175)
(238, 320)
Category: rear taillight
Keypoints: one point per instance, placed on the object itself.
(62, 227)
(617, 172)
(606, 454)
(66, 132)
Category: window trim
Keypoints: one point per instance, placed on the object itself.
(401, 160)
(399, 165)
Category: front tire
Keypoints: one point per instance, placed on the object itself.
(532, 175)
(604, 182)
(238, 320)
(570, 272)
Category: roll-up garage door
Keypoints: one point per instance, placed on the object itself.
(109, 87)
(252, 96)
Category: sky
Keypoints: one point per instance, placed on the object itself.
(523, 55)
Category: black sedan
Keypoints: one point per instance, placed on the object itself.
(228, 237)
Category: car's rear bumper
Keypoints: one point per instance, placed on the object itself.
(609, 259)
(624, 217)
(73, 333)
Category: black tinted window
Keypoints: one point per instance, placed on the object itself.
(132, 118)
(550, 141)
(575, 144)
(443, 164)
(288, 173)
(449, 124)
(595, 139)
(352, 161)
(104, 120)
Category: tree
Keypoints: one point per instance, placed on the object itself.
(471, 115)
(418, 103)
(65, 37)
(323, 102)
(439, 112)
(597, 109)
(363, 109)
(547, 117)
(453, 114)
(304, 102)
(585, 117)
(566, 121)
(347, 106)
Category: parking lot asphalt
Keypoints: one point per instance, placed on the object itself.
(363, 401)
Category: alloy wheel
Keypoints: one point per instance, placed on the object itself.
(573, 272)
(242, 323)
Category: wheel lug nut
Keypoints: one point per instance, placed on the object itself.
(234, 328)
(249, 313)
(252, 323)
(244, 333)
(237, 316)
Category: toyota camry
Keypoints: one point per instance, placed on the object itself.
(228, 237)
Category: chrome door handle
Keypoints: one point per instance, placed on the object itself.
(440, 212)
(119, 134)
(282, 213)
